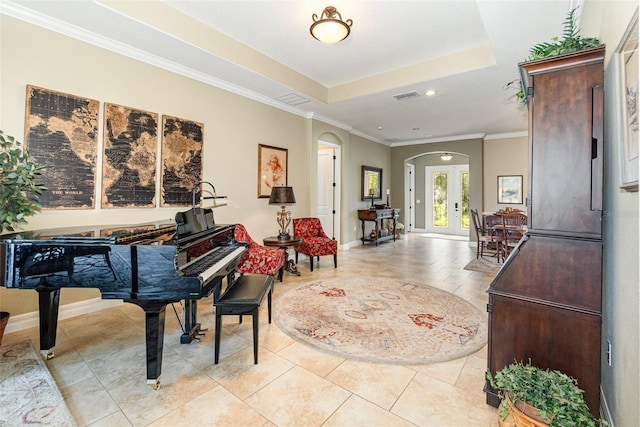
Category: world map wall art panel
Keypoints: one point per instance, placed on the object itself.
(129, 161)
(181, 160)
(61, 132)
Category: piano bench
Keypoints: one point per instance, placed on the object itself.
(244, 296)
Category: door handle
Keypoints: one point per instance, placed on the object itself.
(456, 206)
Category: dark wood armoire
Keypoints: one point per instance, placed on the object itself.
(545, 303)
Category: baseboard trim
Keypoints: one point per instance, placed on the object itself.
(29, 320)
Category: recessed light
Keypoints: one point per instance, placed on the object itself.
(415, 128)
(380, 128)
(430, 92)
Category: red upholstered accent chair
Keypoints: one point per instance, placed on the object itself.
(259, 259)
(315, 242)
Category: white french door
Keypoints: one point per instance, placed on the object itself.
(447, 199)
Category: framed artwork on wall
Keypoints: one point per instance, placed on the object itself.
(510, 189)
(272, 169)
(61, 131)
(181, 160)
(371, 187)
(130, 146)
(627, 61)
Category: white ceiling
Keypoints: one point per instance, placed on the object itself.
(263, 50)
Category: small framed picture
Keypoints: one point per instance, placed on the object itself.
(510, 189)
(627, 59)
(371, 183)
(272, 169)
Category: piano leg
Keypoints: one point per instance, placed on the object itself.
(154, 321)
(49, 302)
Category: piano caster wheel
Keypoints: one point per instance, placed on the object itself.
(197, 338)
(155, 384)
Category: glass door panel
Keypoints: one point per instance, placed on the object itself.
(447, 196)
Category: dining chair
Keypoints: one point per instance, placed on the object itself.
(514, 225)
(486, 238)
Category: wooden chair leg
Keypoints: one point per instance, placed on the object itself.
(311, 262)
(335, 260)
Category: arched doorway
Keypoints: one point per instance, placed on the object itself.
(441, 193)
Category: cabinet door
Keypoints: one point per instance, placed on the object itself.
(552, 337)
(561, 147)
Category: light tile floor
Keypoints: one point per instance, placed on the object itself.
(100, 368)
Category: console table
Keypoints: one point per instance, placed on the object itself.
(377, 216)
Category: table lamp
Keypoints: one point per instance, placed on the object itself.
(283, 196)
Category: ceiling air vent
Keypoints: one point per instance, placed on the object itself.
(292, 99)
(405, 96)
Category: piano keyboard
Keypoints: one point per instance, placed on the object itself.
(212, 262)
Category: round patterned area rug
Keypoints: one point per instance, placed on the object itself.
(382, 320)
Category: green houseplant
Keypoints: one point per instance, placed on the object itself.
(571, 41)
(19, 187)
(555, 396)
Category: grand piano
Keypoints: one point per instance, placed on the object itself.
(150, 265)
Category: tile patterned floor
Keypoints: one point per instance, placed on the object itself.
(99, 363)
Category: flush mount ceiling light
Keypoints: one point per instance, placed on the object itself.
(446, 157)
(330, 28)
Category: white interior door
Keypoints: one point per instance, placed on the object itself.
(327, 190)
(447, 199)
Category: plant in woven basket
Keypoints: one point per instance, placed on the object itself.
(19, 187)
(556, 396)
(571, 41)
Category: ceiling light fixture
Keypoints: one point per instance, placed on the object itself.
(330, 28)
(446, 157)
(430, 92)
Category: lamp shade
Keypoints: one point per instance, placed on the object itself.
(282, 196)
(330, 28)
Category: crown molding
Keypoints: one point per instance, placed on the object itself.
(442, 139)
(19, 12)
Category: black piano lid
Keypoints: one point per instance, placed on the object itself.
(99, 233)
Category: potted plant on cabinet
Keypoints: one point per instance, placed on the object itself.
(535, 397)
(19, 188)
(571, 41)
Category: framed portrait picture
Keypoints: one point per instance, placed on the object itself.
(272, 169)
(371, 183)
(627, 62)
(510, 189)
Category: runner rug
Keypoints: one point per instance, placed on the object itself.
(28, 393)
(381, 320)
(487, 265)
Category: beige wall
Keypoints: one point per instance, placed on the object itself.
(506, 156)
(487, 160)
(620, 382)
(233, 128)
(361, 152)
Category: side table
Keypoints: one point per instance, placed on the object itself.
(284, 244)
